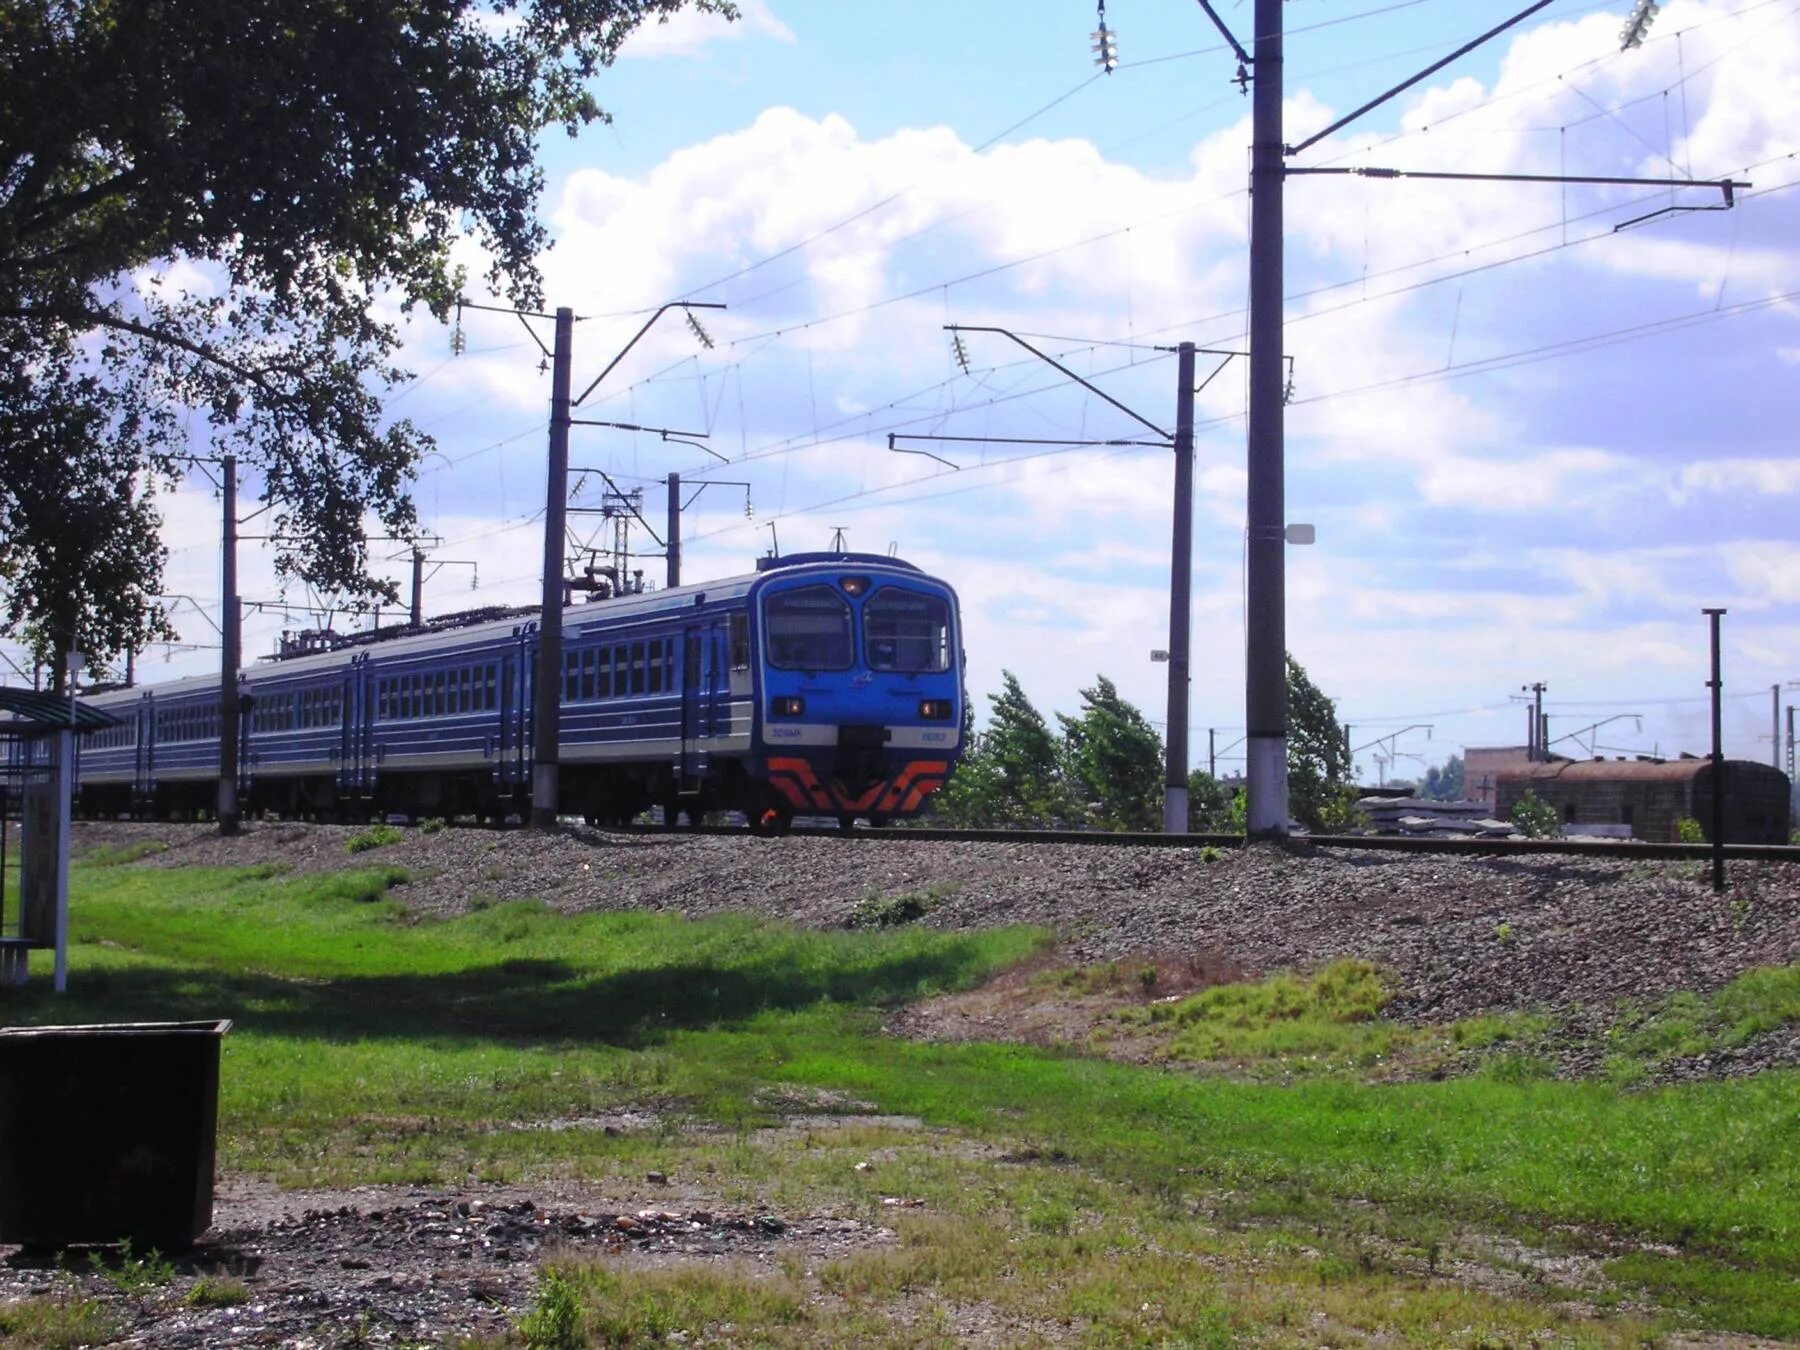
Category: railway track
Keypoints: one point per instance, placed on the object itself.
(1590, 848)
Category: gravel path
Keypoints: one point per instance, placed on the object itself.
(1460, 934)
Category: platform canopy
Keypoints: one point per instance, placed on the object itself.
(26, 713)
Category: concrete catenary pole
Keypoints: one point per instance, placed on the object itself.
(1266, 583)
(418, 587)
(547, 693)
(231, 654)
(1181, 584)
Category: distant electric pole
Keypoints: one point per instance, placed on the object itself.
(1537, 744)
(1717, 685)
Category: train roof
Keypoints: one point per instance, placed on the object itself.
(614, 609)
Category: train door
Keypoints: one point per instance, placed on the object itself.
(142, 744)
(357, 771)
(696, 702)
(347, 754)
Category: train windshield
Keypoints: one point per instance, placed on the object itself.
(907, 631)
(808, 629)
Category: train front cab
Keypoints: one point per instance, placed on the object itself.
(860, 710)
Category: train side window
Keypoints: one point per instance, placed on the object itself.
(658, 654)
(603, 663)
(637, 668)
(740, 641)
(571, 675)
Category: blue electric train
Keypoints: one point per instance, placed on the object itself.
(823, 684)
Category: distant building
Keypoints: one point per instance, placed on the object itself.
(1652, 796)
(1483, 765)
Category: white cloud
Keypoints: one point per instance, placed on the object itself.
(1766, 477)
(690, 32)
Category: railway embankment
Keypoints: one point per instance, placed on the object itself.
(1576, 938)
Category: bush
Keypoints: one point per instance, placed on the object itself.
(1535, 817)
(1689, 831)
(432, 825)
(378, 835)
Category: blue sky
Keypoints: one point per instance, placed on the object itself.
(1533, 447)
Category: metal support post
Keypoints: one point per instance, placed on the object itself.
(230, 642)
(418, 587)
(1265, 666)
(547, 700)
(1775, 726)
(674, 532)
(1717, 685)
(1181, 584)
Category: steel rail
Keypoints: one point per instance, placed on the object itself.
(1299, 843)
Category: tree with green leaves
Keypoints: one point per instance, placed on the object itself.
(1318, 759)
(1025, 756)
(1113, 759)
(1011, 773)
(1212, 807)
(201, 204)
(1445, 784)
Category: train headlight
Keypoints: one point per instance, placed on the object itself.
(787, 707)
(936, 709)
(854, 586)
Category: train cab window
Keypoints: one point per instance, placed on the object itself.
(740, 641)
(808, 629)
(907, 631)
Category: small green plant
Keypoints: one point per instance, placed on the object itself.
(1504, 931)
(1209, 854)
(554, 1323)
(1535, 817)
(378, 835)
(1688, 831)
(433, 825)
(876, 910)
(1341, 815)
(135, 1276)
(217, 1291)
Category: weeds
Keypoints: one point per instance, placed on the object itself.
(134, 1276)
(59, 1321)
(378, 835)
(876, 910)
(217, 1291)
(554, 1322)
(433, 825)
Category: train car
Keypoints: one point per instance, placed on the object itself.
(822, 684)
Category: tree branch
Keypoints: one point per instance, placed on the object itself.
(101, 319)
(55, 209)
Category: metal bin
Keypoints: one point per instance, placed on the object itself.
(107, 1133)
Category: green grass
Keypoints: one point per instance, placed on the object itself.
(1686, 1024)
(1145, 1205)
(60, 1321)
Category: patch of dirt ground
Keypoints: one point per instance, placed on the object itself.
(389, 1265)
